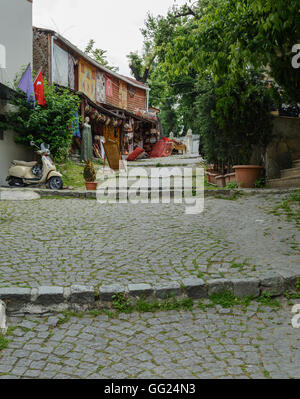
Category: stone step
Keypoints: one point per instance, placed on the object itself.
(285, 182)
(296, 163)
(290, 172)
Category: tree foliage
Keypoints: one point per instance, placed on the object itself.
(99, 55)
(234, 117)
(222, 39)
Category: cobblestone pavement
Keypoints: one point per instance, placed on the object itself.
(67, 241)
(217, 343)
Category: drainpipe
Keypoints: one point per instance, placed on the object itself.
(52, 58)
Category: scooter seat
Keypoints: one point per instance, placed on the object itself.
(23, 163)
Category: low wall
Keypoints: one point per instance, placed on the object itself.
(9, 150)
(285, 146)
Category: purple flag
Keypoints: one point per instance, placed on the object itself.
(26, 85)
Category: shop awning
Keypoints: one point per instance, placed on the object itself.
(98, 107)
(130, 114)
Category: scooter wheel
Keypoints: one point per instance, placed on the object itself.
(15, 182)
(55, 183)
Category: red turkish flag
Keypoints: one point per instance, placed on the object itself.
(40, 90)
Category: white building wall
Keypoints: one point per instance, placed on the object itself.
(15, 37)
(15, 53)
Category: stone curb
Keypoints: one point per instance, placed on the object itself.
(83, 194)
(274, 284)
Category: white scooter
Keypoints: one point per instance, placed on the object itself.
(22, 174)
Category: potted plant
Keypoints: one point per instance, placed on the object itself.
(246, 175)
(89, 175)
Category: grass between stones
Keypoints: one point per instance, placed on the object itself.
(233, 197)
(3, 342)
(63, 197)
(122, 305)
(290, 208)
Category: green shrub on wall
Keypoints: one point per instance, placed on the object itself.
(50, 124)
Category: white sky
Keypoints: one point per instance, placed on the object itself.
(113, 24)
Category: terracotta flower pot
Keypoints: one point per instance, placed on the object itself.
(230, 178)
(213, 179)
(208, 177)
(246, 175)
(220, 181)
(91, 186)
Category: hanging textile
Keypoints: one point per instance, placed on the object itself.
(87, 80)
(71, 72)
(75, 126)
(100, 88)
(108, 86)
(123, 95)
(60, 66)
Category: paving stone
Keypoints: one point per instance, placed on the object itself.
(219, 286)
(167, 290)
(272, 284)
(82, 295)
(246, 287)
(170, 345)
(49, 295)
(106, 293)
(195, 288)
(138, 290)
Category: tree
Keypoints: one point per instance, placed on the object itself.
(222, 39)
(229, 36)
(171, 95)
(234, 117)
(99, 55)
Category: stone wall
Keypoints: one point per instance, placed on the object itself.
(285, 146)
(42, 53)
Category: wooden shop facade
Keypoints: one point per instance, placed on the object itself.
(117, 105)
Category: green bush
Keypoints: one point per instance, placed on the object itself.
(231, 185)
(50, 124)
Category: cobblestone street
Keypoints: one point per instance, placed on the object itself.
(149, 195)
(62, 242)
(218, 343)
(69, 241)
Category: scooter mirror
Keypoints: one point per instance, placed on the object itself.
(32, 143)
